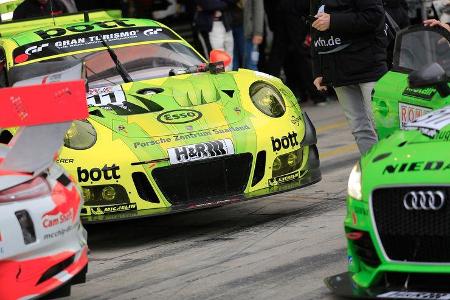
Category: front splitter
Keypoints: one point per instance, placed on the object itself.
(313, 176)
(342, 285)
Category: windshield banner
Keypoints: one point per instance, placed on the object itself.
(90, 40)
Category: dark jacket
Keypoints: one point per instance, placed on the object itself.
(353, 50)
(205, 17)
(33, 9)
(398, 9)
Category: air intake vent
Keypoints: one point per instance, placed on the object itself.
(56, 269)
(144, 188)
(260, 168)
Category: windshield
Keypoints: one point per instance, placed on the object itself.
(140, 61)
(419, 47)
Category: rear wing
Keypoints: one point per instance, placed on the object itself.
(45, 113)
(10, 28)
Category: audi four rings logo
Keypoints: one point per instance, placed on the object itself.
(424, 200)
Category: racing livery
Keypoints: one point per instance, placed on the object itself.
(397, 224)
(167, 131)
(42, 242)
(407, 91)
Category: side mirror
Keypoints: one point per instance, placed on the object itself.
(432, 75)
(216, 56)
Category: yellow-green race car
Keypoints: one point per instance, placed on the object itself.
(168, 131)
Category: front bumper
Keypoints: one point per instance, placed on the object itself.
(342, 285)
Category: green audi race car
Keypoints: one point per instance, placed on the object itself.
(397, 224)
(168, 131)
(411, 89)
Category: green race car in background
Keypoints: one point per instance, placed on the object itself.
(167, 130)
(411, 89)
(397, 224)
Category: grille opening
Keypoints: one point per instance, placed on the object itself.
(417, 281)
(366, 250)
(201, 181)
(58, 268)
(144, 188)
(411, 235)
(260, 167)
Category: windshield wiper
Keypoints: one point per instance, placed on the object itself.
(119, 67)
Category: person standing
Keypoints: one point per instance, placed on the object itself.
(214, 17)
(253, 31)
(38, 8)
(349, 54)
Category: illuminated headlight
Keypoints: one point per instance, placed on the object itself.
(267, 99)
(80, 136)
(354, 183)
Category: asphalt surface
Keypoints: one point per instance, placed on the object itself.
(279, 247)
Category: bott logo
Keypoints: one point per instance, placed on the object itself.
(56, 32)
(96, 174)
(179, 116)
(285, 142)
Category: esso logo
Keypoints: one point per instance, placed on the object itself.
(179, 116)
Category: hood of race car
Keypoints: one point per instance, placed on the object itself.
(407, 158)
(174, 105)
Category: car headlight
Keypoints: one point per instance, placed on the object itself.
(80, 136)
(267, 99)
(354, 183)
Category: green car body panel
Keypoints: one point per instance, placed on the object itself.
(394, 102)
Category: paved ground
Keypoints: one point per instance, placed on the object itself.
(279, 247)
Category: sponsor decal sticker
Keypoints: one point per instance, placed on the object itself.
(105, 96)
(59, 233)
(200, 151)
(87, 37)
(437, 165)
(97, 174)
(109, 209)
(61, 218)
(189, 136)
(432, 123)
(414, 295)
(285, 142)
(284, 179)
(409, 113)
(296, 120)
(65, 160)
(179, 116)
(426, 93)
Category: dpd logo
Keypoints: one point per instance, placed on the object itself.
(285, 142)
(36, 49)
(96, 174)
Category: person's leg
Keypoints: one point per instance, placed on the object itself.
(249, 63)
(366, 90)
(239, 47)
(217, 36)
(356, 111)
(229, 47)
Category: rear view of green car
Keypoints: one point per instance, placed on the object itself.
(411, 89)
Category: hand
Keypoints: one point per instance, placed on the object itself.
(257, 39)
(322, 23)
(318, 84)
(433, 22)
